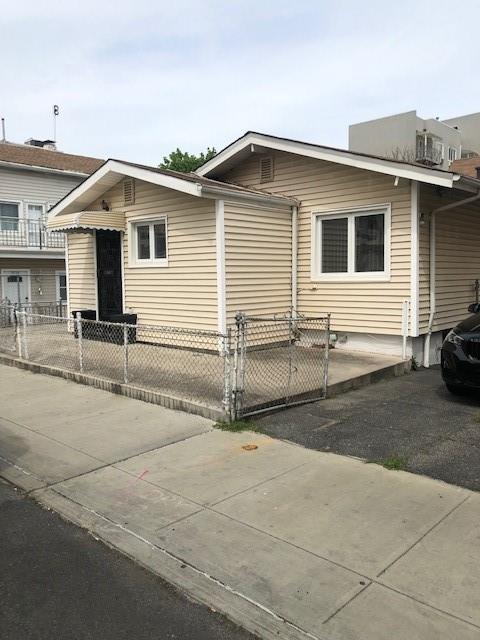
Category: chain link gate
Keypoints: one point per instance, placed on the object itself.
(278, 362)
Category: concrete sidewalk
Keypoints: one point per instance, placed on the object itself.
(288, 542)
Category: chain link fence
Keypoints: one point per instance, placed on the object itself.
(260, 364)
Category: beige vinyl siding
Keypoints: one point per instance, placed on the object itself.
(457, 257)
(81, 271)
(320, 186)
(42, 276)
(184, 293)
(258, 258)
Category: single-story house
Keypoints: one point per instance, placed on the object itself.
(389, 248)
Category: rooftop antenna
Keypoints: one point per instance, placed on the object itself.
(56, 111)
(3, 130)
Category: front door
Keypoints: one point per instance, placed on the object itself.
(109, 274)
(15, 286)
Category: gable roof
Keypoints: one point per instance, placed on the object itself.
(113, 171)
(32, 157)
(253, 141)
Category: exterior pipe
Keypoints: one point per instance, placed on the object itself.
(294, 260)
(446, 207)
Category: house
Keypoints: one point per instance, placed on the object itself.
(406, 136)
(389, 248)
(468, 166)
(33, 177)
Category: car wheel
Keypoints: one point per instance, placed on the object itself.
(456, 389)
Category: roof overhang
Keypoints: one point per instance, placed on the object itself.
(253, 142)
(113, 171)
(32, 167)
(88, 221)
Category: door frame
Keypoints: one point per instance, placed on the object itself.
(28, 272)
(122, 270)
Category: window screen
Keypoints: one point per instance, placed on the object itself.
(370, 243)
(8, 216)
(335, 245)
(160, 240)
(143, 242)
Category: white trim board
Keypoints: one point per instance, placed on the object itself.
(414, 261)
(339, 156)
(220, 260)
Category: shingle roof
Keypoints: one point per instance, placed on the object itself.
(207, 182)
(39, 157)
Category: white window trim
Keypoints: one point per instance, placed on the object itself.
(350, 275)
(19, 204)
(133, 260)
(57, 284)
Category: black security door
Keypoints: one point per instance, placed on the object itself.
(109, 274)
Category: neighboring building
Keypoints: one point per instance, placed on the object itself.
(405, 136)
(390, 249)
(467, 166)
(33, 177)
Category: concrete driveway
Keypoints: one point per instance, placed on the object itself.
(289, 542)
(412, 417)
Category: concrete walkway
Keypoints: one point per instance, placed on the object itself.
(289, 542)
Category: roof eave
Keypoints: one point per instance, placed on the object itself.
(378, 165)
(33, 167)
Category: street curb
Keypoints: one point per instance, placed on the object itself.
(189, 580)
(357, 382)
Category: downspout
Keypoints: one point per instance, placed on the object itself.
(446, 207)
(294, 260)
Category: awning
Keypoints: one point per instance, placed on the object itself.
(88, 221)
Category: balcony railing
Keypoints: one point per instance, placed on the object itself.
(23, 232)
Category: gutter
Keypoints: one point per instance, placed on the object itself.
(446, 207)
(32, 167)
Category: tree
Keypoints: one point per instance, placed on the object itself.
(186, 162)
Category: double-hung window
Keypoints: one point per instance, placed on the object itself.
(9, 215)
(149, 242)
(352, 245)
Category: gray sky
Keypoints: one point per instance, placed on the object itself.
(136, 78)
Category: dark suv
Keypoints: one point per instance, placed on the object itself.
(461, 354)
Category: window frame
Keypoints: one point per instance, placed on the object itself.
(58, 275)
(134, 260)
(350, 275)
(19, 204)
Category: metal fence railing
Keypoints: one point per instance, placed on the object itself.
(27, 232)
(258, 365)
(283, 361)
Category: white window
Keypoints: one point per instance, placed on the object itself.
(9, 215)
(352, 245)
(61, 281)
(452, 154)
(148, 242)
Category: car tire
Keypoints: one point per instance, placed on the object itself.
(455, 389)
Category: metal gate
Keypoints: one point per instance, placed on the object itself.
(8, 329)
(279, 361)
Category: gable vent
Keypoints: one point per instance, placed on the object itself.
(266, 169)
(128, 191)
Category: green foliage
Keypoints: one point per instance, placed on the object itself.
(185, 162)
(393, 463)
(236, 426)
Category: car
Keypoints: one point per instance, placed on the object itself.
(460, 354)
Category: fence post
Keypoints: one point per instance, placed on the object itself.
(18, 335)
(24, 327)
(239, 365)
(327, 353)
(78, 321)
(125, 353)
(226, 352)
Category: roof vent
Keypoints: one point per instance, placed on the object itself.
(266, 169)
(43, 144)
(128, 191)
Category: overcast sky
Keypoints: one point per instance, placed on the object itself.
(135, 79)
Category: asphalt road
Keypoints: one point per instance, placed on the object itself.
(412, 417)
(57, 582)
